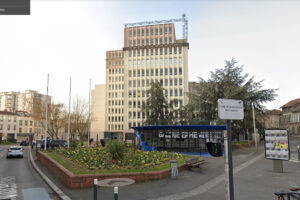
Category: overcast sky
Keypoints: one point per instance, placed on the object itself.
(69, 39)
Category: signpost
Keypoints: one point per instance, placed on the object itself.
(277, 147)
(229, 109)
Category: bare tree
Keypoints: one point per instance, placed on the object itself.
(79, 118)
(56, 118)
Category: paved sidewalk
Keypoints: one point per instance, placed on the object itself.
(254, 180)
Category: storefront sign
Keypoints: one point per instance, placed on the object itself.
(191, 134)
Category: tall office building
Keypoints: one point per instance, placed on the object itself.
(151, 53)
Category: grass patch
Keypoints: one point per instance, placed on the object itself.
(8, 143)
(239, 142)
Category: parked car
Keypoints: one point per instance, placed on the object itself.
(24, 143)
(15, 151)
(58, 143)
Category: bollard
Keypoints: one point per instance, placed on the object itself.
(95, 188)
(298, 152)
(174, 170)
(116, 193)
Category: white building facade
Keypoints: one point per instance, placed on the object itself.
(150, 54)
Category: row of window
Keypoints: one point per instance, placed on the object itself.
(140, 104)
(143, 93)
(116, 71)
(116, 63)
(143, 115)
(115, 103)
(151, 31)
(295, 117)
(115, 119)
(115, 78)
(115, 127)
(8, 127)
(156, 51)
(116, 55)
(161, 72)
(115, 111)
(151, 41)
(15, 128)
(134, 124)
(26, 123)
(115, 94)
(30, 130)
(20, 121)
(143, 83)
(155, 62)
(116, 87)
(8, 119)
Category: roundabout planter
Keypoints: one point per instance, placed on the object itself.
(87, 180)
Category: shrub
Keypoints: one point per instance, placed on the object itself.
(11, 140)
(74, 144)
(116, 149)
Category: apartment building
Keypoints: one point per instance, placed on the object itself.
(290, 118)
(27, 101)
(151, 53)
(9, 101)
(28, 127)
(19, 126)
(8, 125)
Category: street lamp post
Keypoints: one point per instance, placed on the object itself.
(69, 114)
(89, 123)
(46, 123)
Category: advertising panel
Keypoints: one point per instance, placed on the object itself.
(277, 144)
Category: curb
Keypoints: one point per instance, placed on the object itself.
(58, 191)
(295, 161)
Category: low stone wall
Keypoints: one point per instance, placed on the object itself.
(87, 180)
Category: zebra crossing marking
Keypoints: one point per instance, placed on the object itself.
(8, 188)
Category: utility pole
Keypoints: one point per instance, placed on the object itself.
(69, 114)
(46, 125)
(254, 126)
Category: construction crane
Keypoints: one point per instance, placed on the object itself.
(184, 21)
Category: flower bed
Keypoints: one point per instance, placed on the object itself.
(100, 159)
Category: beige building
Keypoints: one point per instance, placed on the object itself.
(27, 101)
(151, 53)
(98, 112)
(8, 125)
(272, 119)
(9, 101)
(290, 119)
(19, 126)
(28, 127)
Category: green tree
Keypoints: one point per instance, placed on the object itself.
(230, 83)
(157, 109)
